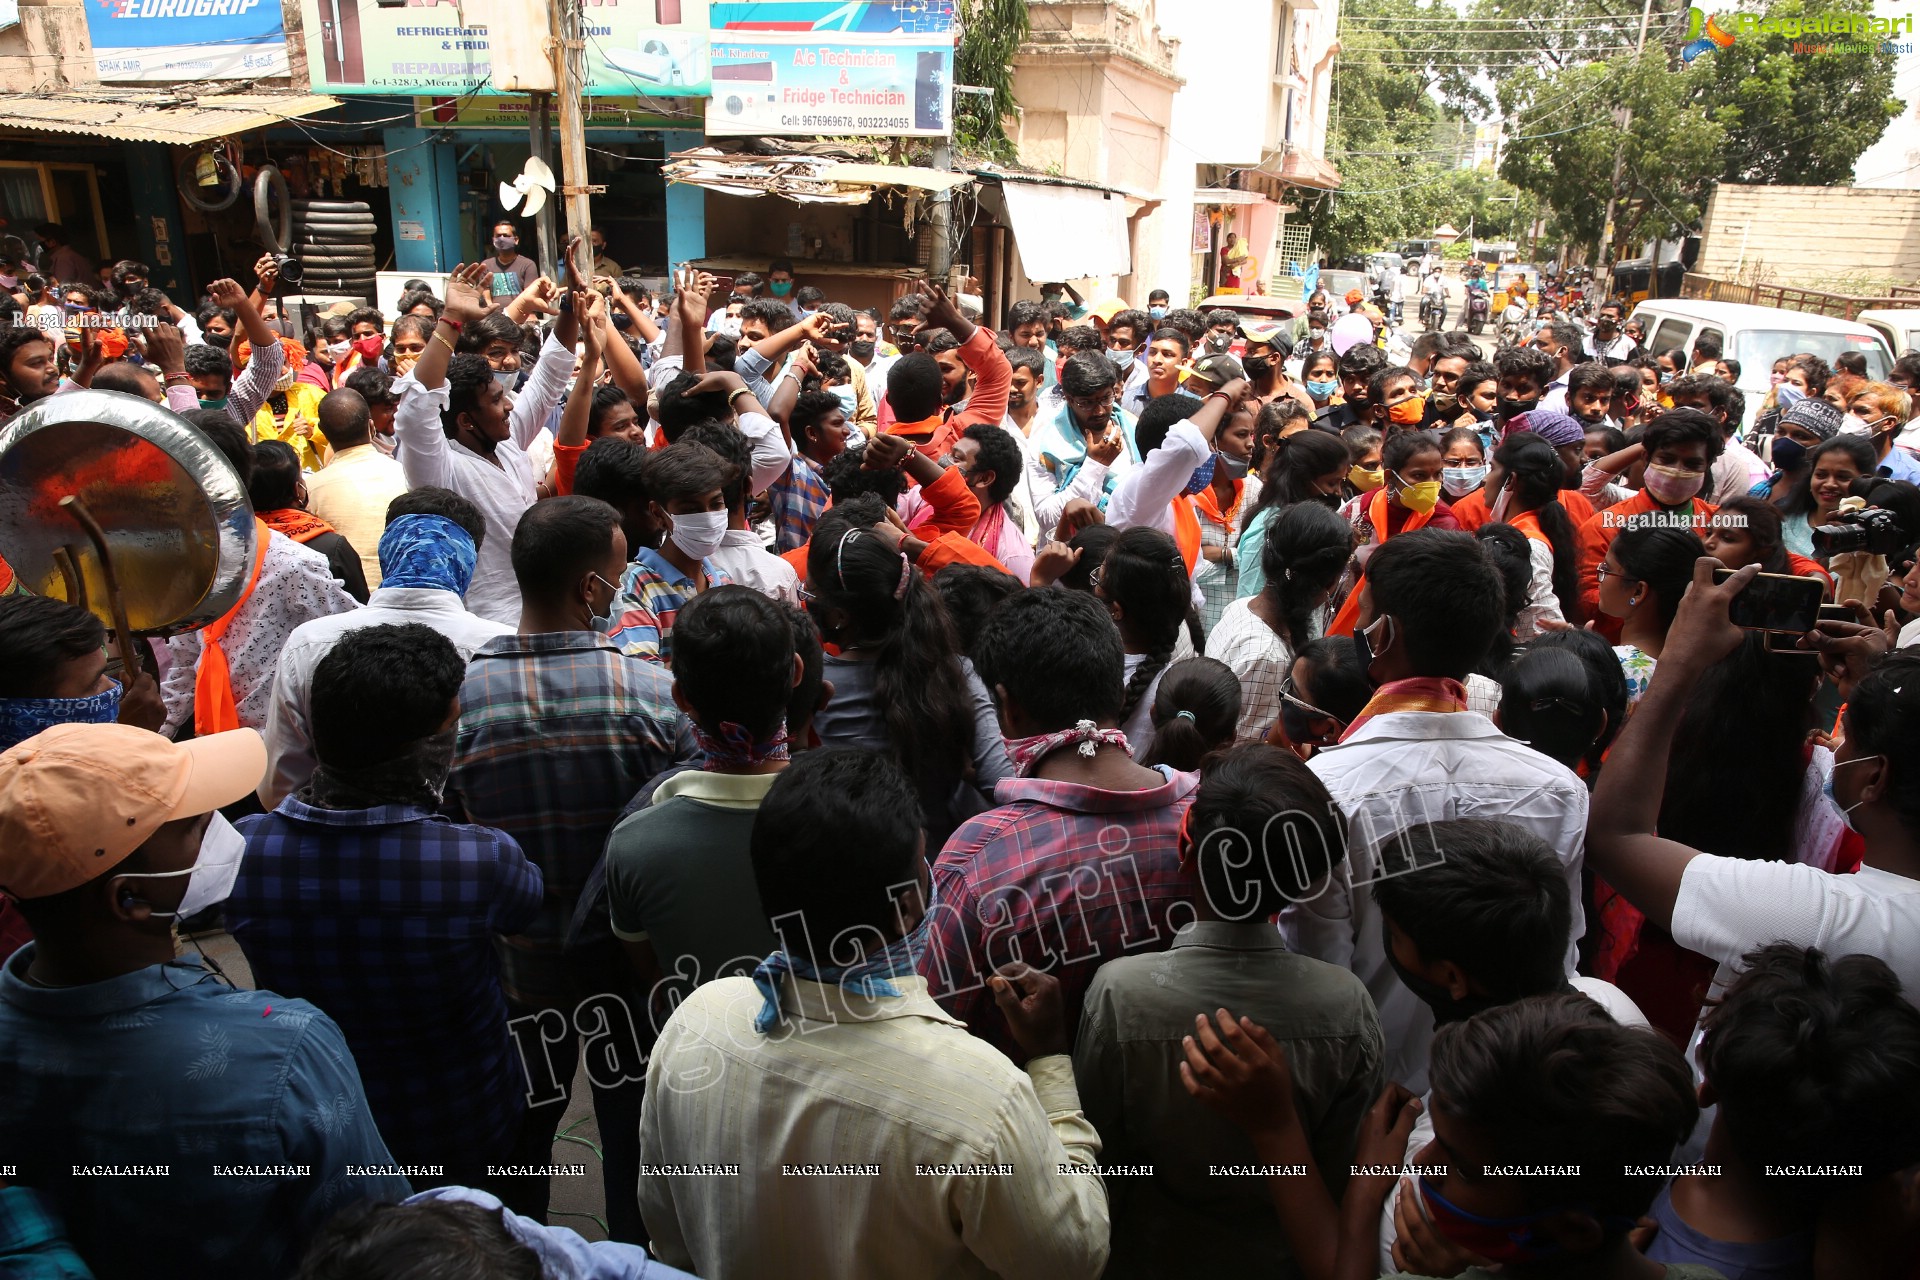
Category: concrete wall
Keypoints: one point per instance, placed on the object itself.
(1838, 238)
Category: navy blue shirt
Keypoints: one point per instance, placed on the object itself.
(181, 1128)
(385, 918)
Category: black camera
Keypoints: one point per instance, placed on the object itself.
(1874, 530)
(291, 269)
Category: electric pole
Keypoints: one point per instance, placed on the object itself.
(1620, 147)
(572, 54)
(540, 143)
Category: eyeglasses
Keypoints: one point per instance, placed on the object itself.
(1287, 694)
(806, 596)
(1603, 571)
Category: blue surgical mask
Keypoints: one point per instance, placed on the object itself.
(1322, 391)
(507, 380)
(1786, 395)
(1156, 312)
(1201, 478)
(845, 395)
(21, 718)
(1122, 360)
(1461, 481)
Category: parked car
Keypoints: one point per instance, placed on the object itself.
(1899, 326)
(1757, 336)
(1336, 283)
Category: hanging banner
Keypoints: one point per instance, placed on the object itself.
(790, 67)
(644, 48)
(512, 111)
(175, 40)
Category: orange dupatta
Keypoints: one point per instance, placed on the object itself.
(1350, 608)
(214, 709)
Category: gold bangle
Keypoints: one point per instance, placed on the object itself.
(442, 341)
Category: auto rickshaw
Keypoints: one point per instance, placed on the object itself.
(1513, 291)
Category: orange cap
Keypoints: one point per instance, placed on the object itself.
(76, 800)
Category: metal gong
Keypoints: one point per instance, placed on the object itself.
(175, 517)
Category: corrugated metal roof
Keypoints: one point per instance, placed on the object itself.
(155, 116)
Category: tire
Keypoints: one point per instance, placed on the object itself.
(331, 206)
(335, 253)
(189, 190)
(355, 221)
(275, 232)
(327, 271)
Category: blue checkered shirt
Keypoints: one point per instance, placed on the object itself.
(557, 731)
(797, 498)
(385, 918)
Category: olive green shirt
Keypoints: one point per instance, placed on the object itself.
(1202, 1210)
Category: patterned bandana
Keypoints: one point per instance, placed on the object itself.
(21, 718)
(427, 551)
(1026, 753)
(736, 747)
(868, 978)
(1556, 429)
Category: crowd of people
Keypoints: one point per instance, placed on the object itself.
(1141, 792)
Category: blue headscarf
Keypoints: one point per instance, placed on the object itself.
(868, 978)
(427, 551)
(22, 718)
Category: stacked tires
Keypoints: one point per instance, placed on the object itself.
(333, 239)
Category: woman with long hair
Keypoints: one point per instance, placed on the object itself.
(1194, 714)
(1832, 468)
(1320, 375)
(1306, 550)
(1645, 573)
(1529, 500)
(1308, 466)
(1325, 690)
(1551, 700)
(1143, 582)
(1219, 507)
(1463, 458)
(1749, 530)
(898, 683)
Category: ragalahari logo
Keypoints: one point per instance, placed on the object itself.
(1704, 34)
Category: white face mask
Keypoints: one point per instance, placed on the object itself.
(506, 379)
(210, 878)
(699, 535)
(339, 349)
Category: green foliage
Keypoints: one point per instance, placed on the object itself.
(988, 34)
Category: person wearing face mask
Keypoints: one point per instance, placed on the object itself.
(509, 273)
(1306, 466)
(1409, 500)
(1320, 375)
(427, 554)
(1799, 430)
(557, 733)
(1876, 413)
(278, 493)
(1432, 605)
(1532, 473)
(108, 835)
(1611, 345)
(1157, 305)
(687, 484)
(1395, 400)
(742, 556)
(420, 897)
(1524, 373)
(1680, 447)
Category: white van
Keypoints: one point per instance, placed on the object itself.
(1757, 336)
(1900, 326)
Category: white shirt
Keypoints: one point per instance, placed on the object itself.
(1553, 399)
(1400, 770)
(746, 560)
(502, 487)
(1145, 495)
(1735, 472)
(1619, 349)
(1542, 602)
(892, 1081)
(351, 493)
(1260, 660)
(296, 585)
(1139, 726)
(290, 758)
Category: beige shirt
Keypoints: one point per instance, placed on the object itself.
(351, 493)
(851, 1081)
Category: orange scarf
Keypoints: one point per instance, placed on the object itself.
(1377, 513)
(301, 526)
(1422, 693)
(214, 709)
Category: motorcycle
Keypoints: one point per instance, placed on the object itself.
(1388, 300)
(1433, 312)
(1479, 307)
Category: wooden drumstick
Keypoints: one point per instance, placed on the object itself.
(123, 633)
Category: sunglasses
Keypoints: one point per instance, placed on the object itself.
(1289, 695)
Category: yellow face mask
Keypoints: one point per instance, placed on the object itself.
(1420, 498)
(1364, 480)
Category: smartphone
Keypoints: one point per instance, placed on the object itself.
(1783, 642)
(1776, 602)
(722, 285)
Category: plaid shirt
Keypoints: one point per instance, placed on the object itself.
(557, 731)
(652, 593)
(798, 498)
(385, 918)
(33, 1243)
(1063, 876)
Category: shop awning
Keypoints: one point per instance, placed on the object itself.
(1226, 195)
(804, 178)
(132, 116)
(1301, 170)
(1067, 233)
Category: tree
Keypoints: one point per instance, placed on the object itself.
(987, 35)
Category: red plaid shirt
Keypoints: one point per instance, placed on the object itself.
(1062, 876)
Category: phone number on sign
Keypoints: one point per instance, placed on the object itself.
(844, 122)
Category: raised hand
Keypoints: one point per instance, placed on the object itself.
(467, 297)
(227, 293)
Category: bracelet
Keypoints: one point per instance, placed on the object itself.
(442, 341)
(742, 391)
(175, 379)
(1223, 395)
(449, 320)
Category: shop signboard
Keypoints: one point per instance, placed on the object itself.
(635, 48)
(174, 40)
(802, 67)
